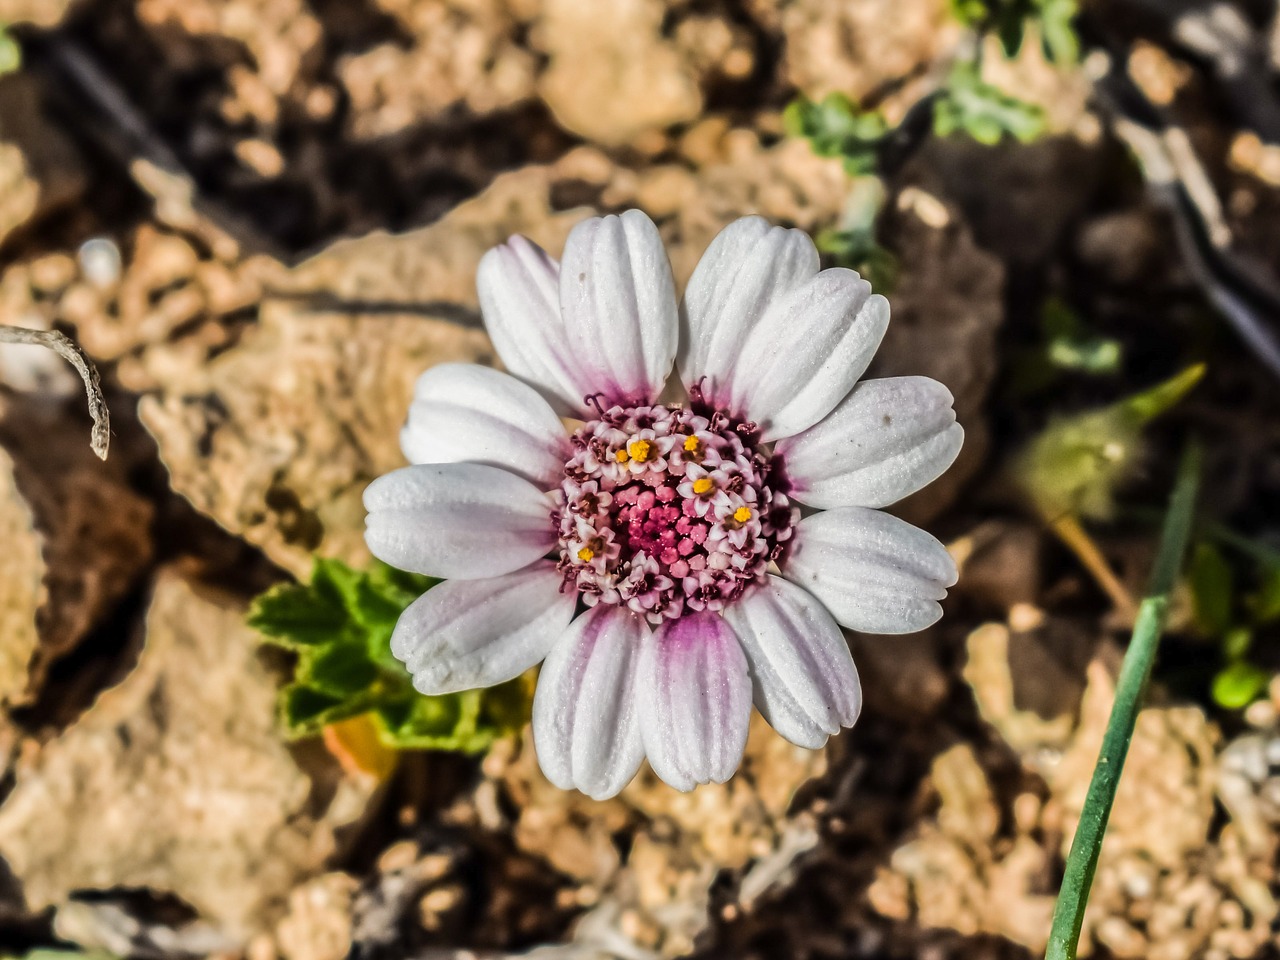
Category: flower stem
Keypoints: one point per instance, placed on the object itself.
(70, 351)
(1082, 861)
(1078, 541)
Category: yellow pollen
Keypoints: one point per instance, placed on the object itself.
(639, 450)
(692, 444)
(742, 514)
(586, 554)
(704, 485)
(622, 456)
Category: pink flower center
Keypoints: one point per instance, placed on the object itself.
(665, 510)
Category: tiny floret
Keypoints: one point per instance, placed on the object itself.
(669, 564)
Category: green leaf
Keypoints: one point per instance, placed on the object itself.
(1236, 643)
(340, 625)
(986, 113)
(10, 52)
(1057, 28)
(1082, 860)
(1010, 31)
(1075, 465)
(970, 13)
(1265, 603)
(340, 670)
(1212, 589)
(1071, 345)
(836, 128)
(1239, 684)
(303, 709)
(292, 615)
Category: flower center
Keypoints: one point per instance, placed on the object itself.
(663, 510)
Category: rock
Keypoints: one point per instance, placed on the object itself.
(459, 55)
(244, 438)
(40, 13)
(277, 438)
(1172, 881)
(278, 34)
(612, 76)
(957, 874)
(176, 780)
(1021, 688)
(40, 169)
(657, 894)
(858, 48)
(22, 588)
(80, 533)
(318, 924)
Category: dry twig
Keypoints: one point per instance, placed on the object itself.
(71, 351)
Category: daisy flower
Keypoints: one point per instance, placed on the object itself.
(670, 564)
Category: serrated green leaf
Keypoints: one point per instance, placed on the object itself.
(1212, 589)
(1239, 684)
(341, 624)
(340, 670)
(293, 615)
(305, 711)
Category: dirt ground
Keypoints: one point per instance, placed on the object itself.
(262, 219)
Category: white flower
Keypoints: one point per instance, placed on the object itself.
(654, 555)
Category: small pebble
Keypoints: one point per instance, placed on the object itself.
(100, 262)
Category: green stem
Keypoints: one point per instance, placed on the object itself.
(1082, 861)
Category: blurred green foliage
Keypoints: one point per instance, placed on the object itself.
(835, 127)
(1230, 613)
(340, 625)
(1054, 20)
(1075, 466)
(1067, 344)
(10, 52)
(966, 104)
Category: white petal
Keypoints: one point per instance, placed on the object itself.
(886, 440)
(466, 521)
(803, 675)
(807, 352)
(746, 269)
(462, 412)
(874, 572)
(695, 696)
(468, 634)
(586, 725)
(619, 306)
(519, 288)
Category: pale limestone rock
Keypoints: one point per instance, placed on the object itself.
(41, 13)
(856, 48)
(277, 438)
(612, 76)
(658, 895)
(176, 780)
(280, 34)
(461, 54)
(22, 588)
